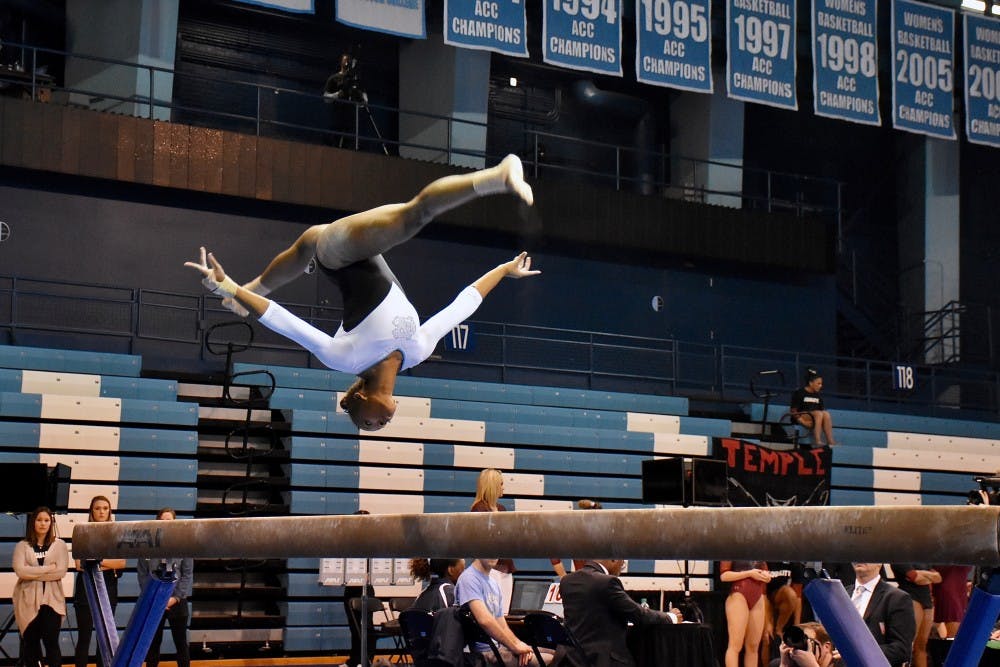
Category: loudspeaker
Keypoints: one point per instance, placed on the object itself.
(678, 481)
(26, 486)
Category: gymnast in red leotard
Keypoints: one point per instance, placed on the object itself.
(744, 609)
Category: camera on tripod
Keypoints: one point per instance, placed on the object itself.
(345, 83)
(988, 492)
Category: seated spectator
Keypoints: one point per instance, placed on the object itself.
(442, 573)
(807, 409)
(819, 650)
(598, 610)
(482, 593)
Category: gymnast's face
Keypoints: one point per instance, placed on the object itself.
(369, 412)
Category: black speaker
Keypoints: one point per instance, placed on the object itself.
(678, 481)
(25, 486)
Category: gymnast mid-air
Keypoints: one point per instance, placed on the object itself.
(381, 333)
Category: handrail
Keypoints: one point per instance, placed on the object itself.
(830, 202)
(515, 353)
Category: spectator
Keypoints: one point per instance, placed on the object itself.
(481, 592)
(489, 490)
(951, 596)
(886, 610)
(915, 579)
(597, 611)
(443, 574)
(176, 613)
(40, 563)
(111, 568)
(807, 409)
(557, 564)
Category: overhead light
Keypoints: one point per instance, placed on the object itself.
(995, 9)
(974, 5)
(513, 79)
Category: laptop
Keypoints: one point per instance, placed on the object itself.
(527, 595)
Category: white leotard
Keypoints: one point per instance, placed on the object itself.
(393, 325)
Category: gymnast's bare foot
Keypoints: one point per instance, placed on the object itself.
(513, 177)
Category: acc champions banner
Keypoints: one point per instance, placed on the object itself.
(583, 34)
(982, 80)
(763, 477)
(845, 60)
(674, 43)
(396, 17)
(490, 25)
(760, 51)
(297, 6)
(923, 76)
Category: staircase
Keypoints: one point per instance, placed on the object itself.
(237, 604)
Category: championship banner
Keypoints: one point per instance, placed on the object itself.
(845, 60)
(583, 34)
(396, 17)
(982, 80)
(674, 43)
(923, 75)
(760, 52)
(489, 25)
(297, 6)
(763, 477)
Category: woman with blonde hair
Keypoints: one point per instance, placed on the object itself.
(111, 568)
(489, 490)
(40, 562)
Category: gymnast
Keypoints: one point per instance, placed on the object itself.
(381, 333)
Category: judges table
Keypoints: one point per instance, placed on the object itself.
(680, 645)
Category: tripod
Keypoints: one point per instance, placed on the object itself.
(343, 87)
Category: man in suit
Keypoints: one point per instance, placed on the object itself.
(886, 610)
(597, 610)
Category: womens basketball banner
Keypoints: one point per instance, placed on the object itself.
(297, 6)
(674, 43)
(845, 60)
(982, 80)
(490, 25)
(583, 34)
(760, 60)
(396, 17)
(923, 75)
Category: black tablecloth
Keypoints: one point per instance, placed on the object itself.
(680, 645)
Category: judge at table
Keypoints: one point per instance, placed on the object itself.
(598, 610)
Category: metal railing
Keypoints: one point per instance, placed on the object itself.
(140, 319)
(266, 110)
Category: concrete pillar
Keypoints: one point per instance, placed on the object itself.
(141, 33)
(708, 129)
(929, 243)
(448, 82)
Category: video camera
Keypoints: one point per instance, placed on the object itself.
(988, 492)
(345, 84)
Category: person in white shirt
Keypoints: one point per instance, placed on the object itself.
(886, 610)
(381, 333)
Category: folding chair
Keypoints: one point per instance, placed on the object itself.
(547, 630)
(379, 630)
(474, 634)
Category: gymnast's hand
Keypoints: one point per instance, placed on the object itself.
(520, 267)
(214, 278)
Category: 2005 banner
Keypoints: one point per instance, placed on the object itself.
(845, 60)
(923, 75)
(674, 43)
(982, 80)
(760, 63)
